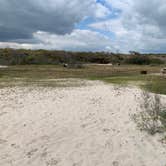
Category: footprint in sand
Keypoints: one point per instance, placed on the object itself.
(31, 153)
(2, 141)
(3, 113)
(52, 162)
(115, 163)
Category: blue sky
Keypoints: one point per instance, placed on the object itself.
(84, 24)
(91, 25)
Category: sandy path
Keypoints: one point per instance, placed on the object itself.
(83, 126)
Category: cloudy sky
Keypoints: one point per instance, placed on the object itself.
(84, 25)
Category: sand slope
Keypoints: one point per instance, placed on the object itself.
(83, 126)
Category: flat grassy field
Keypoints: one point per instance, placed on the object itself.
(45, 75)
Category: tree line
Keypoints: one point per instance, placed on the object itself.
(46, 57)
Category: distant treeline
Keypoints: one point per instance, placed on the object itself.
(23, 57)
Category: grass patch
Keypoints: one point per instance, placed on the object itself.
(152, 83)
(156, 85)
(124, 75)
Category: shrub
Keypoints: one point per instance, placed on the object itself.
(144, 72)
(156, 61)
(138, 60)
(152, 117)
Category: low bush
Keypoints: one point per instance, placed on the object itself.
(152, 118)
(138, 60)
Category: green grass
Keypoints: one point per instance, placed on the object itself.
(157, 85)
(46, 75)
(152, 83)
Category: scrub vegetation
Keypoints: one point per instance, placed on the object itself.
(42, 67)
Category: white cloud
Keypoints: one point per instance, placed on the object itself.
(19, 19)
(15, 45)
(141, 25)
(78, 40)
(119, 4)
(113, 25)
(101, 11)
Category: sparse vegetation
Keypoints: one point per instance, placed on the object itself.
(113, 74)
(45, 57)
(34, 65)
(152, 83)
(143, 60)
(152, 117)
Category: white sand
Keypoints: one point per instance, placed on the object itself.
(83, 126)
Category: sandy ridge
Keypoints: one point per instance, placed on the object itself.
(82, 126)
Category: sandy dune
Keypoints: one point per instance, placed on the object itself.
(82, 126)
